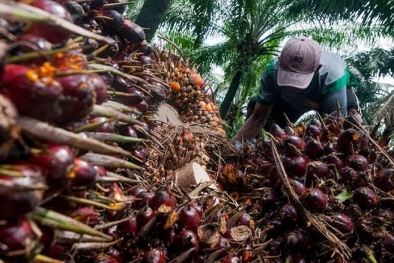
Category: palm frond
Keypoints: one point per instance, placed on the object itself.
(206, 56)
(386, 110)
(133, 9)
(367, 12)
(375, 62)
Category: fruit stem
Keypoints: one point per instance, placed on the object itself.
(109, 161)
(44, 259)
(153, 77)
(94, 245)
(74, 40)
(36, 54)
(102, 111)
(172, 44)
(93, 125)
(294, 150)
(98, 51)
(111, 137)
(137, 260)
(114, 179)
(120, 107)
(145, 229)
(70, 237)
(270, 136)
(75, 72)
(118, 93)
(321, 120)
(115, 207)
(9, 172)
(102, 188)
(59, 221)
(288, 121)
(369, 254)
(7, 186)
(184, 256)
(103, 198)
(131, 67)
(47, 132)
(233, 219)
(113, 223)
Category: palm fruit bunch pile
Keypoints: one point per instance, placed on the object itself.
(188, 91)
(201, 132)
(323, 189)
(84, 168)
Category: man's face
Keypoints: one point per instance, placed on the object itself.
(292, 90)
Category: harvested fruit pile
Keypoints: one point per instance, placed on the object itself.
(87, 172)
(321, 190)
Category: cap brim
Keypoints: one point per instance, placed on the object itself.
(294, 79)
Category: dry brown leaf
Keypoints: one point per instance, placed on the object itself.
(171, 219)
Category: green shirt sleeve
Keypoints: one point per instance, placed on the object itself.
(337, 85)
(352, 81)
(347, 80)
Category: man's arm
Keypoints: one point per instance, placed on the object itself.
(266, 98)
(255, 123)
(356, 115)
(331, 102)
(348, 102)
(353, 105)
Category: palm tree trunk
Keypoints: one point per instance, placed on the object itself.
(230, 95)
(151, 15)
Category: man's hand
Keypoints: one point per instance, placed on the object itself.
(254, 124)
(237, 145)
(353, 120)
(356, 115)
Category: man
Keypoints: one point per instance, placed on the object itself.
(250, 107)
(301, 79)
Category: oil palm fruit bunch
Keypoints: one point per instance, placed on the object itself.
(189, 92)
(77, 94)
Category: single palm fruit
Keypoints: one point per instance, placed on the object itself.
(52, 33)
(54, 162)
(314, 200)
(365, 197)
(23, 194)
(33, 90)
(78, 98)
(110, 20)
(20, 240)
(132, 32)
(82, 175)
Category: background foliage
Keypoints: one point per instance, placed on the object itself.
(238, 38)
